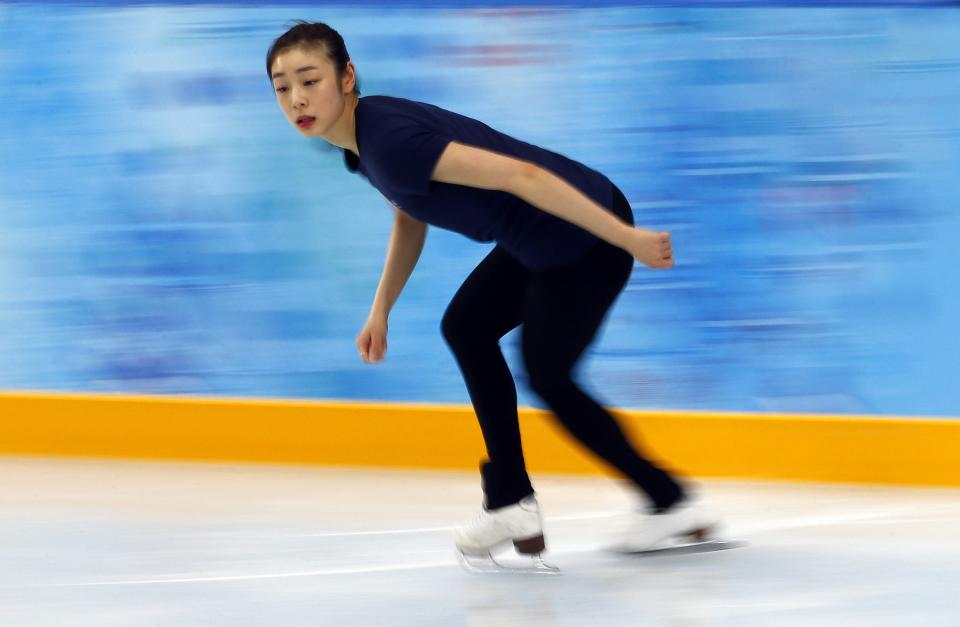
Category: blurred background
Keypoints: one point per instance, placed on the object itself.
(164, 230)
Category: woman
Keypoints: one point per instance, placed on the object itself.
(565, 249)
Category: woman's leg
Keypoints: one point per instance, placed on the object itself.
(564, 308)
(484, 309)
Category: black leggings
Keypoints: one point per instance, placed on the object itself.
(560, 310)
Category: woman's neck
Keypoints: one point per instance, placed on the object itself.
(344, 131)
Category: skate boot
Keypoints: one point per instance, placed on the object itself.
(686, 526)
(521, 524)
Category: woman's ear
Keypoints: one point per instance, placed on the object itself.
(349, 81)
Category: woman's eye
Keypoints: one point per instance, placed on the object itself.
(310, 82)
(280, 90)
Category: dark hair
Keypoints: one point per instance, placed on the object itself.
(317, 35)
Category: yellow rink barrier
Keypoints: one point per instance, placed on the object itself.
(912, 451)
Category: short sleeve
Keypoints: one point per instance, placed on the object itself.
(404, 153)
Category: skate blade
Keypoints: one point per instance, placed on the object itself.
(703, 546)
(486, 564)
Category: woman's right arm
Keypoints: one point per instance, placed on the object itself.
(403, 252)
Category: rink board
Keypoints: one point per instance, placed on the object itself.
(913, 451)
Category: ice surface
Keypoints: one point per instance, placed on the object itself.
(111, 543)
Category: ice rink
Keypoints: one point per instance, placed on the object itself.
(109, 543)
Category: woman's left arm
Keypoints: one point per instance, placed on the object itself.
(461, 164)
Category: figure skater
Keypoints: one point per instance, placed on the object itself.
(565, 248)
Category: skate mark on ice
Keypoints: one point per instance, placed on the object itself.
(387, 532)
(215, 578)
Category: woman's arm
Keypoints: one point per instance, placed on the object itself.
(406, 243)
(403, 252)
(476, 167)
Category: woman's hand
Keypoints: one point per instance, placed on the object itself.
(651, 248)
(372, 339)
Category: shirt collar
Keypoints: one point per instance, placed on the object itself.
(351, 160)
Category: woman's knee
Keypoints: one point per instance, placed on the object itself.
(452, 327)
(549, 381)
(461, 331)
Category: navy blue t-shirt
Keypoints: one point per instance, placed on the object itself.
(400, 142)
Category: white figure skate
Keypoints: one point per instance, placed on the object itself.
(521, 524)
(687, 527)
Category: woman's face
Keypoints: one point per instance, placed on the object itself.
(305, 82)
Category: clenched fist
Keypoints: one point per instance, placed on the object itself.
(372, 339)
(651, 248)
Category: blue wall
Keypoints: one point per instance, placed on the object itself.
(164, 230)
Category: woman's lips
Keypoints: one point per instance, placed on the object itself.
(306, 122)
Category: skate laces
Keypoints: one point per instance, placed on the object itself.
(529, 504)
(484, 516)
(478, 519)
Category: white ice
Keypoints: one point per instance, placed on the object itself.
(111, 543)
